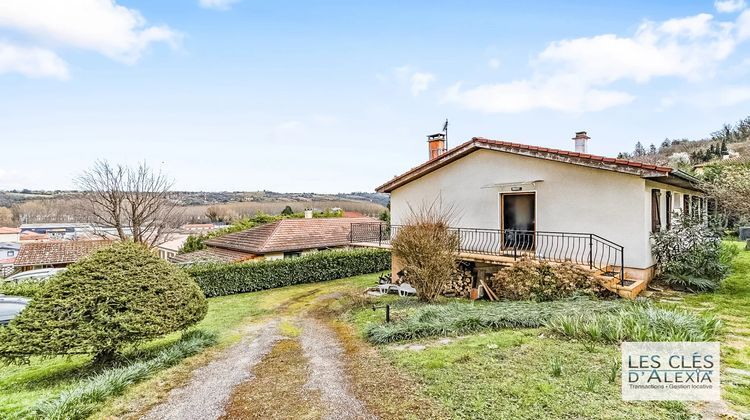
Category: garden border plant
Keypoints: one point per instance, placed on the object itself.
(690, 255)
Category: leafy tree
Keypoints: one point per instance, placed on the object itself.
(729, 184)
(287, 211)
(666, 143)
(385, 216)
(120, 295)
(652, 149)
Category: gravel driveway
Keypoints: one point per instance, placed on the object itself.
(324, 353)
(208, 391)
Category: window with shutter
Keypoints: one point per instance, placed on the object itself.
(655, 212)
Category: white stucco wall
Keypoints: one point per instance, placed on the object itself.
(570, 198)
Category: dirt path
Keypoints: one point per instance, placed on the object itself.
(208, 391)
(324, 352)
(303, 368)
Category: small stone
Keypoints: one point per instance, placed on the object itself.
(417, 347)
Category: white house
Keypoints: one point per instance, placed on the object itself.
(553, 204)
(10, 234)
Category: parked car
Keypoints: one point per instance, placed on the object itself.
(10, 307)
(38, 275)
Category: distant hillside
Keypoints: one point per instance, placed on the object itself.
(193, 198)
(27, 206)
(732, 140)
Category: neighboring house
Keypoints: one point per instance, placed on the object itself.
(54, 254)
(71, 231)
(199, 227)
(170, 248)
(34, 237)
(10, 234)
(9, 249)
(286, 238)
(514, 200)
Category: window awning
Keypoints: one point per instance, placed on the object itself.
(514, 184)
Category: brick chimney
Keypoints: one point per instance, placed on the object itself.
(436, 144)
(581, 140)
(308, 214)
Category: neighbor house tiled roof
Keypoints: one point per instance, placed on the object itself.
(56, 252)
(9, 230)
(215, 255)
(33, 236)
(576, 158)
(291, 235)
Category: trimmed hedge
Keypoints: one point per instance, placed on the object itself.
(228, 279)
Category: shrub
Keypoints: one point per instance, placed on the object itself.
(28, 288)
(690, 255)
(636, 321)
(81, 400)
(458, 318)
(543, 281)
(428, 250)
(119, 295)
(228, 279)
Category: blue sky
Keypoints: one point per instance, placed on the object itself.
(334, 96)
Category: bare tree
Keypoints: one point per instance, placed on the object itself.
(135, 202)
(428, 248)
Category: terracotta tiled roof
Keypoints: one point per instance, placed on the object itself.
(291, 235)
(353, 214)
(9, 230)
(33, 236)
(567, 156)
(217, 255)
(56, 252)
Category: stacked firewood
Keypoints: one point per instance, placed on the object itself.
(460, 284)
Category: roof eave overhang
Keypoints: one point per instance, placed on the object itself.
(678, 179)
(473, 145)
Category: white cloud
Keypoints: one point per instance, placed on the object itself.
(729, 6)
(103, 26)
(217, 4)
(557, 94)
(494, 63)
(418, 81)
(574, 75)
(31, 62)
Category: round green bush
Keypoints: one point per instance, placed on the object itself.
(119, 295)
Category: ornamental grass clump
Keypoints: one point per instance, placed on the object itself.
(636, 321)
(428, 248)
(83, 399)
(118, 296)
(460, 318)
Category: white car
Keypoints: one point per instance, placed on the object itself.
(36, 275)
(10, 307)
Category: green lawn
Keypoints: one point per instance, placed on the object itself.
(732, 304)
(22, 386)
(510, 374)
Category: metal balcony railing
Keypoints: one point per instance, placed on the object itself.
(580, 248)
